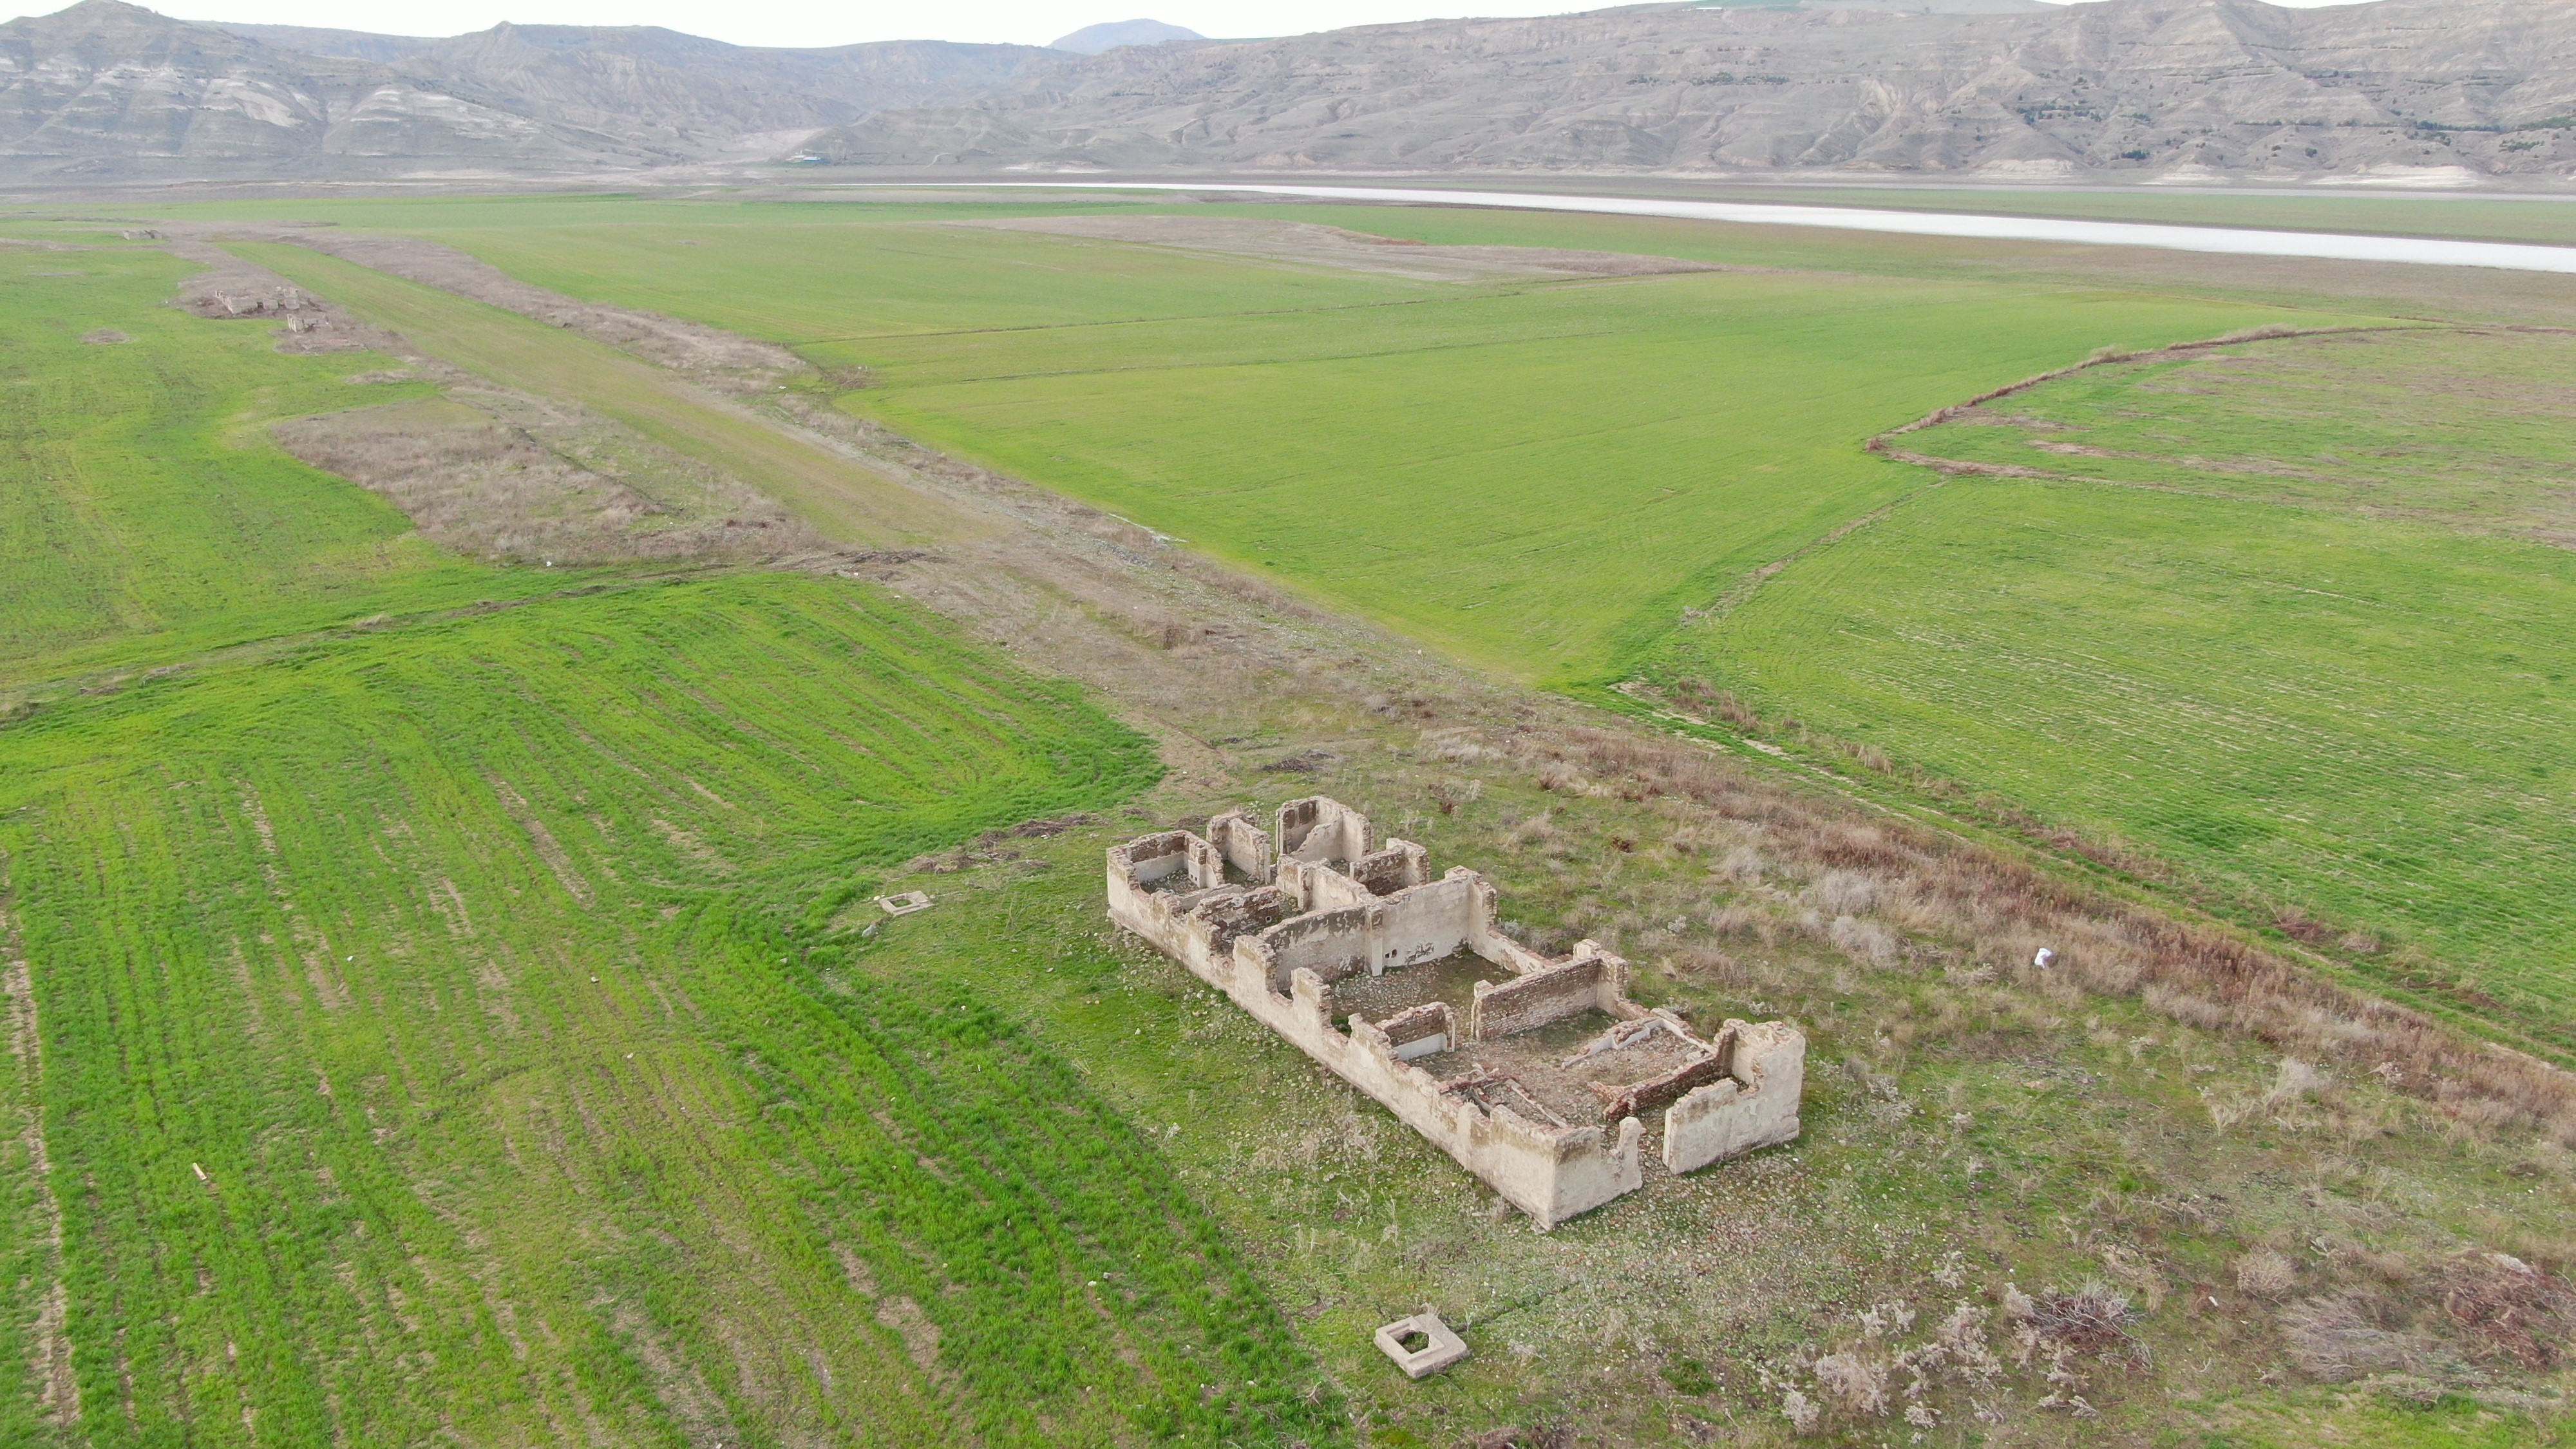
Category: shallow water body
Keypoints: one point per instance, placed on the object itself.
(2332, 246)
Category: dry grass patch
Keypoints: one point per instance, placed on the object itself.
(487, 486)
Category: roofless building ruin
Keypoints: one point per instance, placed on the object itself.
(1537, 1074)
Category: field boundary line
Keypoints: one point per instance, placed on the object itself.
(1745, 587)
(1750, 583)
(1878, 443)
(57, 1389)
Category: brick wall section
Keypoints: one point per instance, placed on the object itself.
(1590, 982)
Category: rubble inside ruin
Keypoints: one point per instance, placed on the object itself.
(1536, 1073)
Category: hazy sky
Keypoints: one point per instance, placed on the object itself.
(802, 22)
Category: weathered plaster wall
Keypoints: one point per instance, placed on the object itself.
(1245, 846)
(1320, 828)
(1755, 1106)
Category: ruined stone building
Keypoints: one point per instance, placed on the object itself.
(1537, 1074)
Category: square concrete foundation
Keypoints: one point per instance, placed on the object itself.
(1441, 1346)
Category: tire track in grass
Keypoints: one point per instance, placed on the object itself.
(598, 1192)
(56, 1398)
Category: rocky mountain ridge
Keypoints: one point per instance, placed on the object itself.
(111, 91)
(2138, 86)
(2001, 88)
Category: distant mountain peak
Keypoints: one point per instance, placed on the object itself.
(1093, 39)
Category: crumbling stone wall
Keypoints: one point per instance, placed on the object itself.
(1754, 1105)
(1245, 847)
(1327, 907)
(1321, 829)
(1594, 982)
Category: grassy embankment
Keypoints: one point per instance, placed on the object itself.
(432, 1035)
(1551, 478)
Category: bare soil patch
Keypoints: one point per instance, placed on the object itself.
(1356, 251)
(506, 476)
(495, 472)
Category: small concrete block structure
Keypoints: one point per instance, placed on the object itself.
(1403, 985)
(1421, 1345)
(905, 904)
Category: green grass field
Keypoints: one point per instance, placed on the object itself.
(142, 510)
(2291, 617)
(1554, 479)
(425, 1024)
(1542, 477)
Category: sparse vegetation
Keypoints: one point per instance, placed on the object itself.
(2012, 1213)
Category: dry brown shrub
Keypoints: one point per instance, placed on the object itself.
(1743, 864)
(2299, 926)
(2510, 1309)
(1743, 920)
(1855, 1381)
(1710, 964)
(2338, 1339)
(2094, 1320)
(1865, 941)
(2265, 1273)
(2186, 1008)
(1844, 892)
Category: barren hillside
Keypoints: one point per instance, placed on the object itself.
(2124, 86)
(106, 90)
